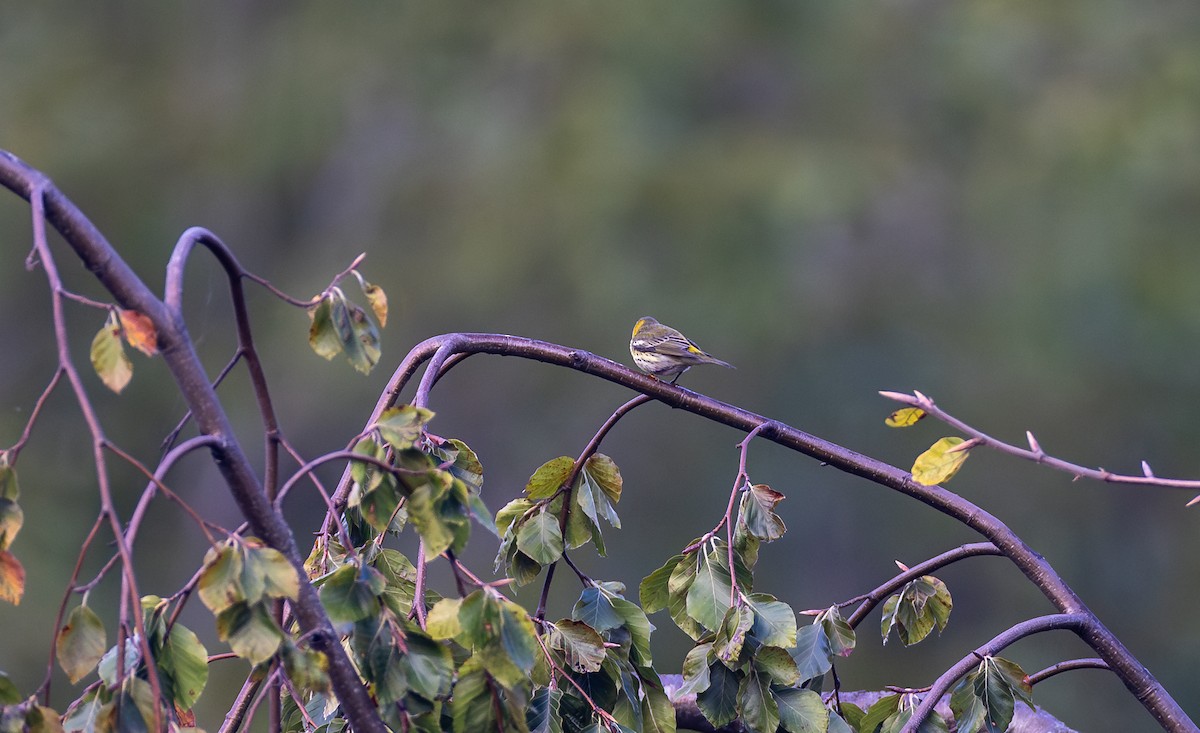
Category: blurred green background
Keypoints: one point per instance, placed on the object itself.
(994, 203)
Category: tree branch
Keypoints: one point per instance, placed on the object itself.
(1136, 678)
(179, 354)
(1036, 454)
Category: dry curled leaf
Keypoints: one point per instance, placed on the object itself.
(139, 332)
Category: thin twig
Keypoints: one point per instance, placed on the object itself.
(15, 450)
(1070, 664)
(1035, 452)
(1069, 621)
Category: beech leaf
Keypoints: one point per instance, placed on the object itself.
(139, 332)
(109, 359)
(939, 463)
(80, 643)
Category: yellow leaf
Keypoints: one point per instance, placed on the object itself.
(109, 360)
(139, 331)
(939, 463)
(904, 417)
(378, 300)
(12, 578)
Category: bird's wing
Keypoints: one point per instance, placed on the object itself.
(669, 345)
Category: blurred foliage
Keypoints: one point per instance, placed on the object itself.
(991, 202)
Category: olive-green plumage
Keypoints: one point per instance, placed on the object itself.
(665, 353)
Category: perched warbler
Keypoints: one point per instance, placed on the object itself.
(665, 353)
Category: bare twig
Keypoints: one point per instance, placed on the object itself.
(1070, 621)
(1036, 453)
(15, 450)
(1067, 666)
(178, 353)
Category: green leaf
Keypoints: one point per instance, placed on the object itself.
(322, 336)
(540, 538)
(107, 669)
(279, 577)
(939, 463)
(109, 359)
(634, 620)
(8, 480)
(605, 474)
(366, 475)
(473, 706)
(1016, 679)
(220, 584)
(731, 635)
(400, 577)
(401, 427)
(81, 643)
(809, 653)
(760, 713)
(709, 597)
(986, 698)
(183, 667)
(250, 632)
(581, 646)
(884, 708)
(719, 702)
(338, 323)
(41, 719)
(579, 530)
(921, 605)
(695, 670)
(542, 715)
(11, 520)
(367, 356)
(680, 583)
(351, 593)
(428, 664)
(524, 568)
(802, 711)
(509, 514)
(380, 506)
(758, 512)
(596, 610)
(653, 591)
(9, 694)
(594, 500)
(423, 510)
(517, 635)
(839, 637)
(442, 620)
(777, 666)
(837, 724)
(549, 477)
(774, 621)
(658, 714)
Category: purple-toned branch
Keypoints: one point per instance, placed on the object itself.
(179, 354)
(1140, 682)
(1067, 666)
(1070, 621)
(1035, 452)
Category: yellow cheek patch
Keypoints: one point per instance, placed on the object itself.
(637, 327)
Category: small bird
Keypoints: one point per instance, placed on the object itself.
(664, 353)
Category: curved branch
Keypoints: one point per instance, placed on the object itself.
(1067, 666)
(1136, 678)
(1036, 454)
(872, 599)
(1071, 621)
(179, 354)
